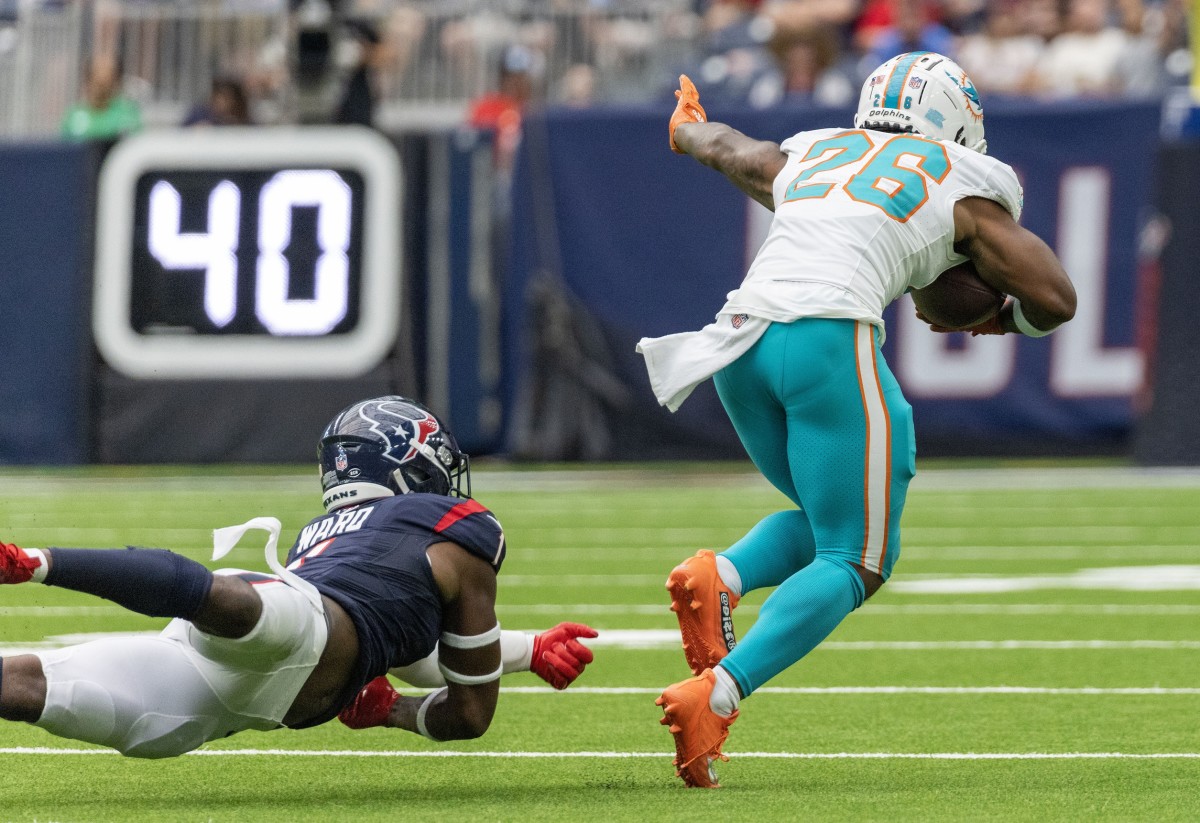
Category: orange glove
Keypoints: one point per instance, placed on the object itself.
(687, 110)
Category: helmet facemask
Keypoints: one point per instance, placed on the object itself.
(441, 472)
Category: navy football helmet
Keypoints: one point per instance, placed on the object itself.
(387, 446)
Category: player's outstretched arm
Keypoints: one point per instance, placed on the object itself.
(468, 655)
(1017, 262)
(751, 165)
(556, 655)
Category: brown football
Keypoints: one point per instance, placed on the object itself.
(958, 299)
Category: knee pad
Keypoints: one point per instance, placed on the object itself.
(79, 710)
(140, 695)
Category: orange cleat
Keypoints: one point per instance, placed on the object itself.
(704, 606)
(699, 732)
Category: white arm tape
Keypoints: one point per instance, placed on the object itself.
(471, 641)
(1027, 328)
(423, 710)
(469, 679)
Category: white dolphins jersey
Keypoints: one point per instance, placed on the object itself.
(862, 216)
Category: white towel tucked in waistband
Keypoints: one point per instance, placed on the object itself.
(677, 363)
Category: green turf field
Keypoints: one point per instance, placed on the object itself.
(1034, 657)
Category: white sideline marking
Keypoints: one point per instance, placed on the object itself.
(625, 755)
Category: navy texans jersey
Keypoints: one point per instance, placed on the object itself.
(370, 559)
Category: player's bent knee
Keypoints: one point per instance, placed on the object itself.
(284, 620)
(231, 610)
(872, 581)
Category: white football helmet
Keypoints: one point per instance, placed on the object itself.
(926, 93)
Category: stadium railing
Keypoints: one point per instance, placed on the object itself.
(39, 69)
(440, 55)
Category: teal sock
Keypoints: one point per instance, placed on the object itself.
(778, 546)
(793, 620)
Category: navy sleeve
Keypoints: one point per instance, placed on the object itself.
(472, 526)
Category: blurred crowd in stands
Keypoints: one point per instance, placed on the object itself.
(756, 53)
(765, 53)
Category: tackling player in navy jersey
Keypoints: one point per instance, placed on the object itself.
(399, 575)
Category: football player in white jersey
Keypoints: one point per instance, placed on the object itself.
(861, 216)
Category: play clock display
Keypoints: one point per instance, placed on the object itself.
(238, 253)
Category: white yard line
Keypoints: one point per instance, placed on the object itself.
(1151, 691)
(871, 609)
(1161, 577)
(913, 550)
(47, 750)
(669, 639)
(620, 609)
(1003, 645)
(487, 479)
(657, 639)
(1118, 609)
(1118, 578)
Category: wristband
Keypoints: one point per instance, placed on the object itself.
(39, 574)
(471, 641)
(1023, 325)
(469, 679)
(423, 710)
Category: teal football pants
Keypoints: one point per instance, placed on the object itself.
(824, 420)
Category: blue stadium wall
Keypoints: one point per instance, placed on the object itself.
(605, 238)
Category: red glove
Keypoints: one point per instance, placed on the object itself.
(687, 110)
(372, 705)
(15, 565)
(558, 656)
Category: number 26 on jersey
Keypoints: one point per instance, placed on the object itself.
(897, 190)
